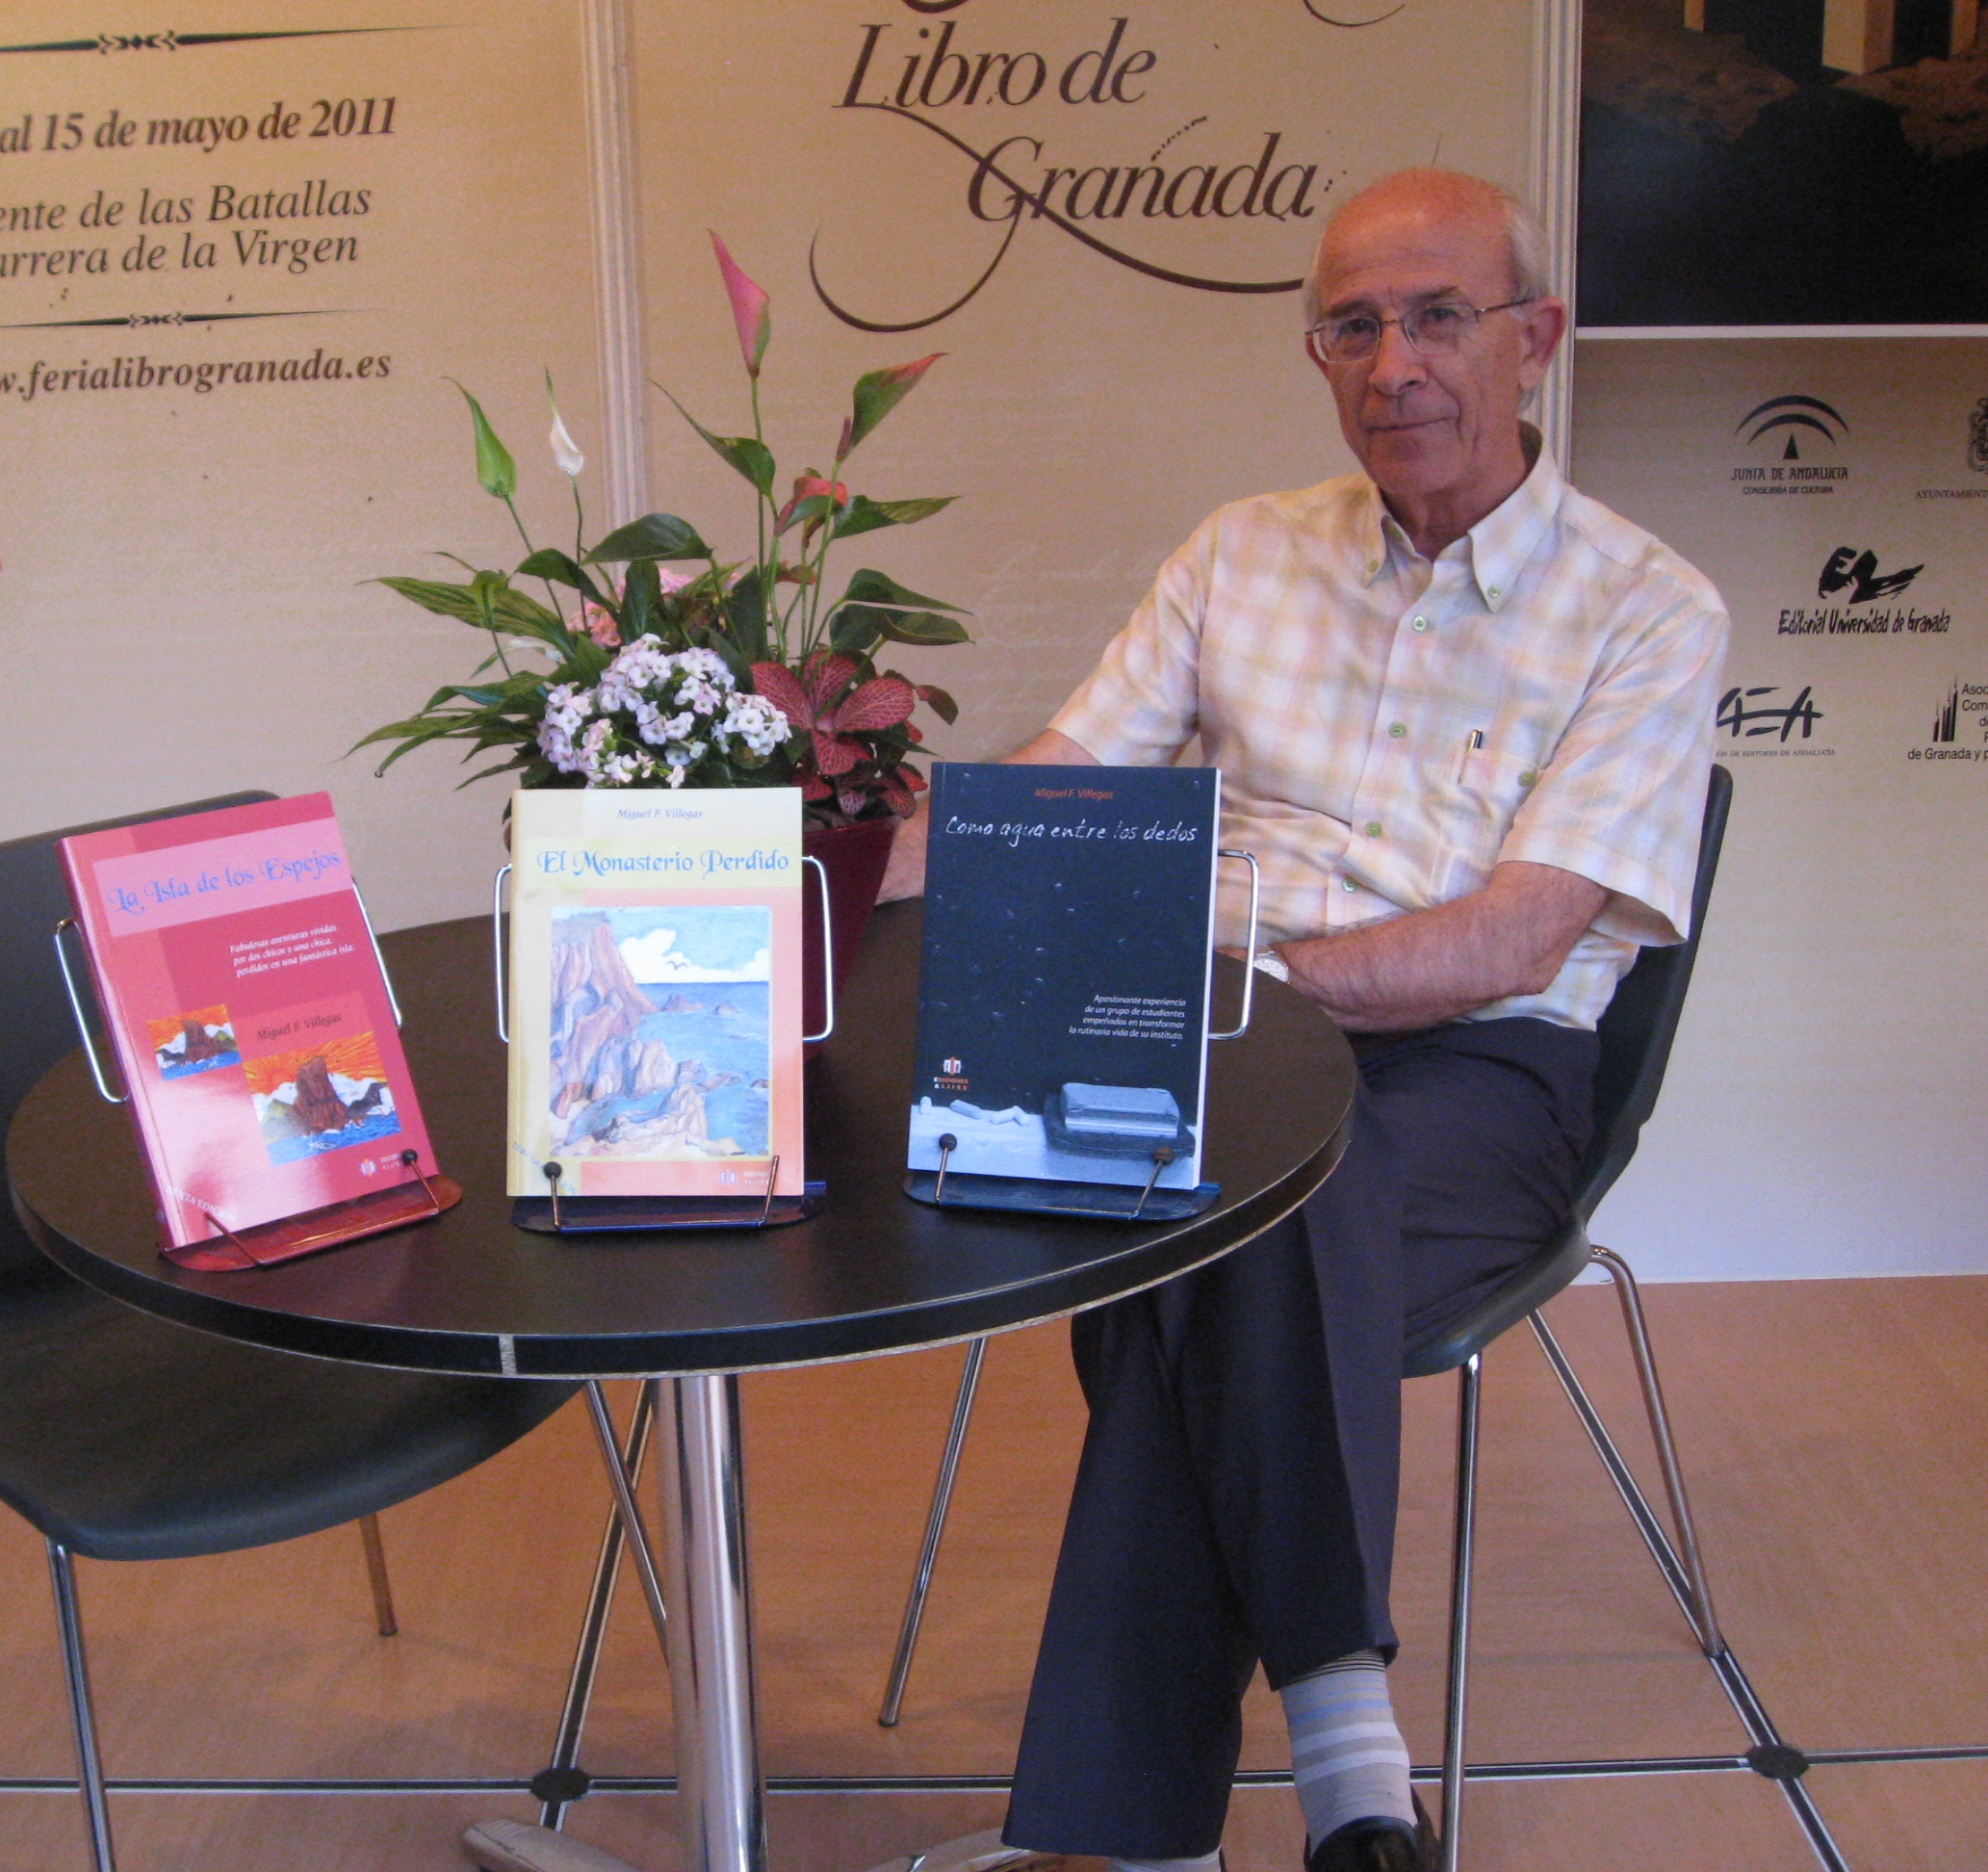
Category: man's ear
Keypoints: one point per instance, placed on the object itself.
(1540, 331)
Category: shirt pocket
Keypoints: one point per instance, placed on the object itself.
(1476, 801)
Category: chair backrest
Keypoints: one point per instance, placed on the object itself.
(1641, 1023)
(35, 1025)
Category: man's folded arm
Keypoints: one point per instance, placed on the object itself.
(1426, 966)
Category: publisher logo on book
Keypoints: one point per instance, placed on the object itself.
(951, 1075)
(1768, 719)
(1792, 447)
(1959, 726)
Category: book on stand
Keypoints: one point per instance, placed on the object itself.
(252, 1026)
(654, 1008)
(1063, 1005)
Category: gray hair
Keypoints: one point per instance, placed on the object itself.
(1527, 248)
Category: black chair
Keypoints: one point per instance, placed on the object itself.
(127, 1438)
(1635, 1034)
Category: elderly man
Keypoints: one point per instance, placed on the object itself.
(1464, 716)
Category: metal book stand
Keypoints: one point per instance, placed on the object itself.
(556, 1212)
(419, 1198)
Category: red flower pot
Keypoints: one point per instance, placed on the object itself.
(854, 856)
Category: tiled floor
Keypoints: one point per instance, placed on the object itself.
(1836, 1434)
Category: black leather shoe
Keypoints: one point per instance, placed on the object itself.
(1377, 1846)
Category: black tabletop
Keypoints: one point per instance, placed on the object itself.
(874, 1272)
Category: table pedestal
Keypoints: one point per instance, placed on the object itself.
(720, 1795)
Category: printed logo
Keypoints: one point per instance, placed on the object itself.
(1846, 567)
(949, 1067)
(1785, 419)
(1762, 715)
(1977, 438)
(1959, 725)
(1854, 578)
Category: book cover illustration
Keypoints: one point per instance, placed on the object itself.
(245, 1007)
(1064, 996)
(654, 972)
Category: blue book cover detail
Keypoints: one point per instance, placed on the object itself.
(1063, 1011)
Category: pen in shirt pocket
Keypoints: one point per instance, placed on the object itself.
(1472, 742)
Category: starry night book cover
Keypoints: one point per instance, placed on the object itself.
(1063, 1014)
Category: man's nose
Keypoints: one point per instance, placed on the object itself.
(1396, 366)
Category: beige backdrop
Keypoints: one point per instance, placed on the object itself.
(1823, 1111)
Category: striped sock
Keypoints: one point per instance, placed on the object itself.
(1212, 1862)
(1347, 1756)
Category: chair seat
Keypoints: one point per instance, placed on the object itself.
(127, 1438)
(1519, 1294)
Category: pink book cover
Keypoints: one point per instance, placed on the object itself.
(251, 1024)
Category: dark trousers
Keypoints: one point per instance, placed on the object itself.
(1235, 1501)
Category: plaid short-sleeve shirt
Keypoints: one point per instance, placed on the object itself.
(1389, 728)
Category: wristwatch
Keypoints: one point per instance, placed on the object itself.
(1271, 964)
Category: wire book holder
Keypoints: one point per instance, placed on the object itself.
(557, 1212)
(948, 1188)
(419, 1198)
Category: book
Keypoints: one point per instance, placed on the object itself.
(654, 1004)
(1063, 1005)
(252, 1026)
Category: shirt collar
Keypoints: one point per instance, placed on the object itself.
(1500, 543)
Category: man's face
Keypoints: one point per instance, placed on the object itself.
(1434, 426)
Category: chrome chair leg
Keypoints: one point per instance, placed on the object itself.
(586, 1656)
(377, 1576)
(61, 1575)
(1469, 1379)
(621, 1484)
(935, 1526)
(1631, 1297)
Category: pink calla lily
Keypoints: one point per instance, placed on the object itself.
(749, 311)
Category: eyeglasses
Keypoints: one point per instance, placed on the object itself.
(1431, 330)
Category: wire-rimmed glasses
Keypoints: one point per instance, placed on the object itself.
(1440, 325)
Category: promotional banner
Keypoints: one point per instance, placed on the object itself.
(1100, 216)
(240, 263)
(1823, 1109)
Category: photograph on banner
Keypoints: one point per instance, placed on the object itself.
(241, 262)
(1783, 162)
(1101, 217)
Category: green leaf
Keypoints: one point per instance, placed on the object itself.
(870, 586)
(655, 537)
(866, 515)
(735, 660)
(926, 628)
(748, 456)
(549, 563)
(877, 393)
(938, 702)
(456, 601)
(495, 471)
(641, 600)
(745, 616)
(858, 629)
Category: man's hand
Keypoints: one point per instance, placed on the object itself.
(905, 874)
(1412, 971)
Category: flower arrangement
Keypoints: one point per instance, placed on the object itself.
(683, 669)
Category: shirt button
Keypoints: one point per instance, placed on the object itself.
(1493, 592)
(1373, 828)
(1346, 884)
(1397, 729)
(1527, 778)
(1420, 624)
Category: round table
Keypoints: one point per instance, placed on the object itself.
(873, 1272)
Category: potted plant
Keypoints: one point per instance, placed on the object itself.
(651, 660)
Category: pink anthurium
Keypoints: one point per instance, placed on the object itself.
(749, 311)
(877, 393)
(807, 487)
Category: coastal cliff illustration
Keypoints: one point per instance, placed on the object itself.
(635, 1073)
(310, 1099)
(198, 1042)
